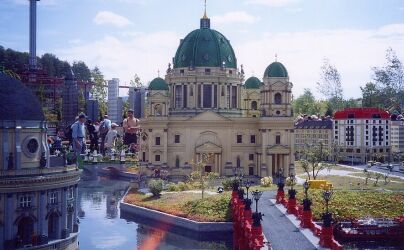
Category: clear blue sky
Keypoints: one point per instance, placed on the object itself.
(124, 37)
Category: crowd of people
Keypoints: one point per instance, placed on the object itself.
(100, 136)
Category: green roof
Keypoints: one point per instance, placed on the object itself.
(252, 83)
(276, 69)
(158, 84)
(205, 47)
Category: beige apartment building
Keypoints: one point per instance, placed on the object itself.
(312, 132)
(204, 106)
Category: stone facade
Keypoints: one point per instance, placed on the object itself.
(37, 198)
(205, 108)
(397, 136)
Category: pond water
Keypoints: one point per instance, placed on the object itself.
(103, 227)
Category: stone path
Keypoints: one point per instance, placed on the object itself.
(278, 229)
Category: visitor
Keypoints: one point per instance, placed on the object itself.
(130, 127)
(79, 135)
(105, 126)
(111, 138)
(93, 136)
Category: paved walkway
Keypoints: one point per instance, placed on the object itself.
(278, 229)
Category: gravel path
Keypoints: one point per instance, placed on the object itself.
(278, 229)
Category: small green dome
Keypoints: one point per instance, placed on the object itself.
(252, 83)
(158, 84)
(276, 69)
(205, 47)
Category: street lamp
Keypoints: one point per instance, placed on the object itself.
(306, 187)
(327, 195)
(247, 185)
(257, 195)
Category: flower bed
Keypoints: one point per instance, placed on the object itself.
(347, 205)
(213, 208)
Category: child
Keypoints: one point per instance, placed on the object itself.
(111, 137)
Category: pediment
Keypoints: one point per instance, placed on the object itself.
(209, 116)
(158, 95)
(208, 147)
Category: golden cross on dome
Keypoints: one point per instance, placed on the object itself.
(276, 57)
(158, 72)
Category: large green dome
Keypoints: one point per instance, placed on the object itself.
(205, 47)
(252, 83)
(158, 84)
(276, 69)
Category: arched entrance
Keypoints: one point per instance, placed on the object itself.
(25, 230)
(53, 225)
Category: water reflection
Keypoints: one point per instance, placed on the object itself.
(101, 225)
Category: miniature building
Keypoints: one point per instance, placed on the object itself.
(313, 132)
(70, 104)
(203, 106)
(362, 134)
(114, 104)
(38, 197)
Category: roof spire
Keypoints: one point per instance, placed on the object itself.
(205, 21)
(276, 57)
(205, 16)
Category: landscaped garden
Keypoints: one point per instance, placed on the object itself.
(213, 208)
(347, 205)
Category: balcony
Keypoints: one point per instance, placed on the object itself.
(36, 171)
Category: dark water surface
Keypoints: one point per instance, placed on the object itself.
(101, 225)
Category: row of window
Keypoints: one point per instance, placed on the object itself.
(367, 121)
(25, 201)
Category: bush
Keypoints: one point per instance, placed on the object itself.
(266, 181)
(289, 182)
(228, 184)
(181, 186)
(156, 186)
(172, 187)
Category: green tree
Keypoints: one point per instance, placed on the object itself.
(81, 71)
(389, 80)
(200, 177)
(135, 82)
(307, 104)
(315, 159)
(371, 96)
(98, 90)
(330, 85)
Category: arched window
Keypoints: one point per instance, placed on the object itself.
(278, 139)
(158, 110)
(254, 105)
(53, 225)
(25, 230)
(238, 162)
(278, 98)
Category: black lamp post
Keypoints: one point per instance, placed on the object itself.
(257, 195)
(306, 201)
(306, 187)
(247, 185)
(327, 216)
(292, 192)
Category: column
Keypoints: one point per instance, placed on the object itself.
(42, 225)
(202, 95)
(230, 96)
(17, 156)
(63, 218)
(270, 165)
(5, 149)
(220, 164)
(182, 93)
(9, 217)
(212, 96)
(76, 202)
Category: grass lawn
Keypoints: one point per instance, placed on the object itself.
(355, 180)
(347, 205)
(213, 208)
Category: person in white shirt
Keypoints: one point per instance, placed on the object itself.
(111, 137)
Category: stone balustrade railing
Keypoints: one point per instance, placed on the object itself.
(36, 171)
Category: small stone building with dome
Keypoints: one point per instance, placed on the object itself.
(206, 106)
(37, 194)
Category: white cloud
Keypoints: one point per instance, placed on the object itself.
(353, 51)
(273, 3)
(111, 18)
(122, 57)
(235, 17)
